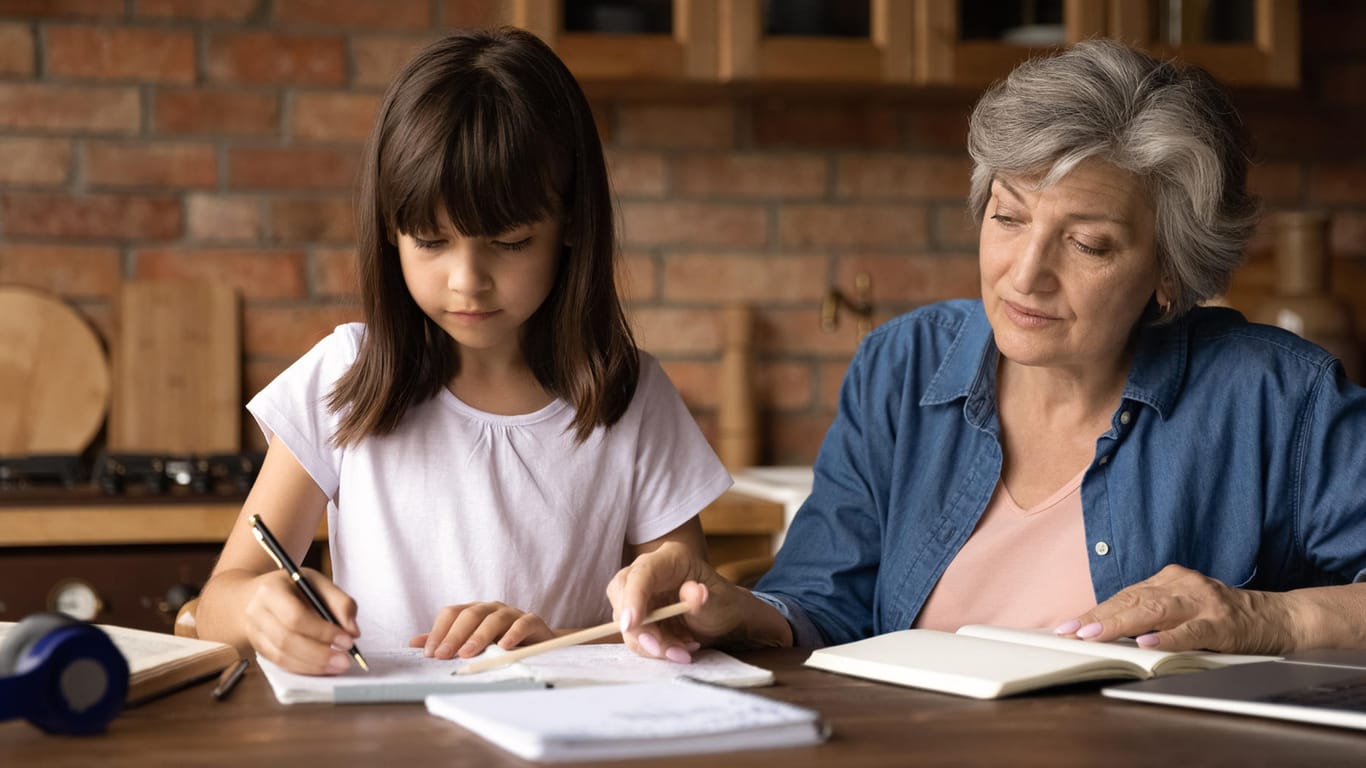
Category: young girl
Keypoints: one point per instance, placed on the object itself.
(490, 437)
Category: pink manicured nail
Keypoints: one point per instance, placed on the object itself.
(693, 646)
(677, 655)
(1089, 631)
(1068, 627)
(649, 643)
(1147, 641)
(626, 617)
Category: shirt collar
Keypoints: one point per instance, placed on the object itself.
(1155, 376)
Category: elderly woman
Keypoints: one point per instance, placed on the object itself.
(1085, 448)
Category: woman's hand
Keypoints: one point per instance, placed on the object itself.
(1179, 609)
(717, 609)
(465, 630)
(286, 629)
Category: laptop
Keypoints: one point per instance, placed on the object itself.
(1324, 687)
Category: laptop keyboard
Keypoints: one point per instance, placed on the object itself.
(1348, 695)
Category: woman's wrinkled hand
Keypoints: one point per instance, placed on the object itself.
(465, 630)
(1179, 609)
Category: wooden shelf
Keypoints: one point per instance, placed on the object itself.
(199, 522)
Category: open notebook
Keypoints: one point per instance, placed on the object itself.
(987, 662)
(669, 717)
(406, 675)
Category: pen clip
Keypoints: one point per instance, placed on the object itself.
(261, 538)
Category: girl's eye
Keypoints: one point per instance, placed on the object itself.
(515, 245)
(428, 245)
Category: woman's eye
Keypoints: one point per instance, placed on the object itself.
(1003, 219)
(513, 245)
(1089, 250)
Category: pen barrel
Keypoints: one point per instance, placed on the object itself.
(313, 597)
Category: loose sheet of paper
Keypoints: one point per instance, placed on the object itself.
(615, 663)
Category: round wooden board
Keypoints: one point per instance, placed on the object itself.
(54, 377)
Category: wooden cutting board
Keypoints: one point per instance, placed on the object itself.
(177, 369)
(54, 378)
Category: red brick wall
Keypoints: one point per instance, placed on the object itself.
(219, 138)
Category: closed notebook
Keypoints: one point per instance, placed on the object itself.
(672, 717)
(987, 662)
(406, 675)
(159, 663)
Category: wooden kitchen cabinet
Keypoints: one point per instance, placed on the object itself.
(955, 43)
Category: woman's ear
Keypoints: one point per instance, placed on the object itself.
(1164, 294)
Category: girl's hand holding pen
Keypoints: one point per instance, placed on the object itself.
(284, 628)
(465, 630)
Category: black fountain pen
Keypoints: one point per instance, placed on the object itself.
(281, 558)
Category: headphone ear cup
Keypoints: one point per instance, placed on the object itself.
(77, 678)
(25, 634)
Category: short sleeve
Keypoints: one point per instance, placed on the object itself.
(293, 407)
(677, 472)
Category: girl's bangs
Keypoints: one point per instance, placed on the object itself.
(487, 159)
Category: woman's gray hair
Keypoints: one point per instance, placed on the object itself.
(1172, 126)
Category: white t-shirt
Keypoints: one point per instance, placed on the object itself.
(457, 505)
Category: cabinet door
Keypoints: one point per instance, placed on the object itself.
(642, 40)
(973, 42)
(813, 41)
(1245, 42)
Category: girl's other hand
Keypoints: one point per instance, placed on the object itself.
(284, 628)
(465, 630)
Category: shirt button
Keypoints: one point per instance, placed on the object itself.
(1102, 548)
(1104, 460)
(1124, 417)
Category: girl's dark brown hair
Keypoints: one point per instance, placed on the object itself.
(490, 126)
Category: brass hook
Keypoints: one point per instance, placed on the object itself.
(861, 306)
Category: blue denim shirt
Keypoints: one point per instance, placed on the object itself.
(1237, 450)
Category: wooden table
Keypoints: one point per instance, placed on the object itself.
(874, 725)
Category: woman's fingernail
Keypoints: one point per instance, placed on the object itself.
(343, 642)
(1147, 641)
(338, 663)
(693, 646)
(649, 643)
(1068, 627)
(1089, 631)
(626, 617)
(677, 655)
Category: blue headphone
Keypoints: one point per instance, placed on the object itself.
(62, 675)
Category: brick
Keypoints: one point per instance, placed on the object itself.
(1343, 85)
(954, 228)
(334, 273)
(285, 333)
(637, 174)
(695, 382)
(676, 126)
(720, 277)
(694, 224)
(217, 112)
(121, 53)
(69, 109)
(377, 59)
(223, 218)
(1348, 237)
(265, 168)
(255, 273)
(325, 220)
(475, 13)
(197, 10)
(830, 378)
(789, 331)
(937, 128)
(913, 278)
(129, 164)
(110, 217)
(70, 270)
(637, 275)
(59, 9)
(796, 438)
(333, 116)
(270, 58)
(766, 177)
(824, 126)
(369, 14)
(16, 50)
(896, 226)
(1337, 184)
(1281, 183)
(903, 177)
(34, 162)
(784, 386)
(662, 330)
